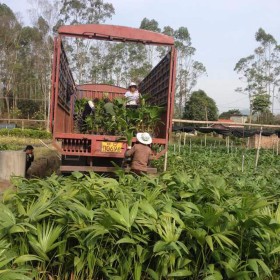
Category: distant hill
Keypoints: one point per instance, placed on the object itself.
(245, 111)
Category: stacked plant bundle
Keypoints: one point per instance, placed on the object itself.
(123, 122)
(203, 219)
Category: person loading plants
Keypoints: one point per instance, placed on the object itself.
(141, 153)
(89, 109)
(109, 108)
(132, 96)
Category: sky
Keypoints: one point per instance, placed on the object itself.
(222, 31)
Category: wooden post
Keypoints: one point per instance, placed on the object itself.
(248, 142)
(205, 139)
(258, 149)
(190, 145)
(185, 135)
(165, 161)
(179, 144)
(277, 147)
(227, 144)
(180, 138)
(242, 166)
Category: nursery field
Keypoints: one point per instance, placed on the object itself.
(208, 217)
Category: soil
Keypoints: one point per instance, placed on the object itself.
(44, 166)
(45, 163)
(4, 185)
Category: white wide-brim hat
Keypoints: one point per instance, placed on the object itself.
(132, 85)
(144, 138)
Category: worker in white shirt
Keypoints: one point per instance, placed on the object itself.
(132, 96)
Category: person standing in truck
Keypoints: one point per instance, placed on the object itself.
(141, 153)
(132, 96)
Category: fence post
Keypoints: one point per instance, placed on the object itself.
(165, 161)
(258, 149)
(227, 144)
(242, 166)
(185, 135)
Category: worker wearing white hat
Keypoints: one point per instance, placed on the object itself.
(141, 153)
(132, 96)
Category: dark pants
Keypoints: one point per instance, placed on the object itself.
(132, 106)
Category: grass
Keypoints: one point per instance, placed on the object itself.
(19, 143)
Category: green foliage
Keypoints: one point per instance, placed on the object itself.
(4, 147)
(31, 133)
(151, 25)
(229, 113)
(28, 108)
(125, 122)
(85, 11)
(203, 219)
(201, 107)
(261, 103)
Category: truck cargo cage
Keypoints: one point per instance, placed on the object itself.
(85, 152)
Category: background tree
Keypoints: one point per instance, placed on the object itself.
(83, 12)
(261, 103)
(26, 55)
(10, 30)
(152, 25)
(28, 108)
(229, 113)
(261, 70)
(188, 69)
(201, 107)
(260, 107)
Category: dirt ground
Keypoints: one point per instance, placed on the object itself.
(46, 162)
(4, 185)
